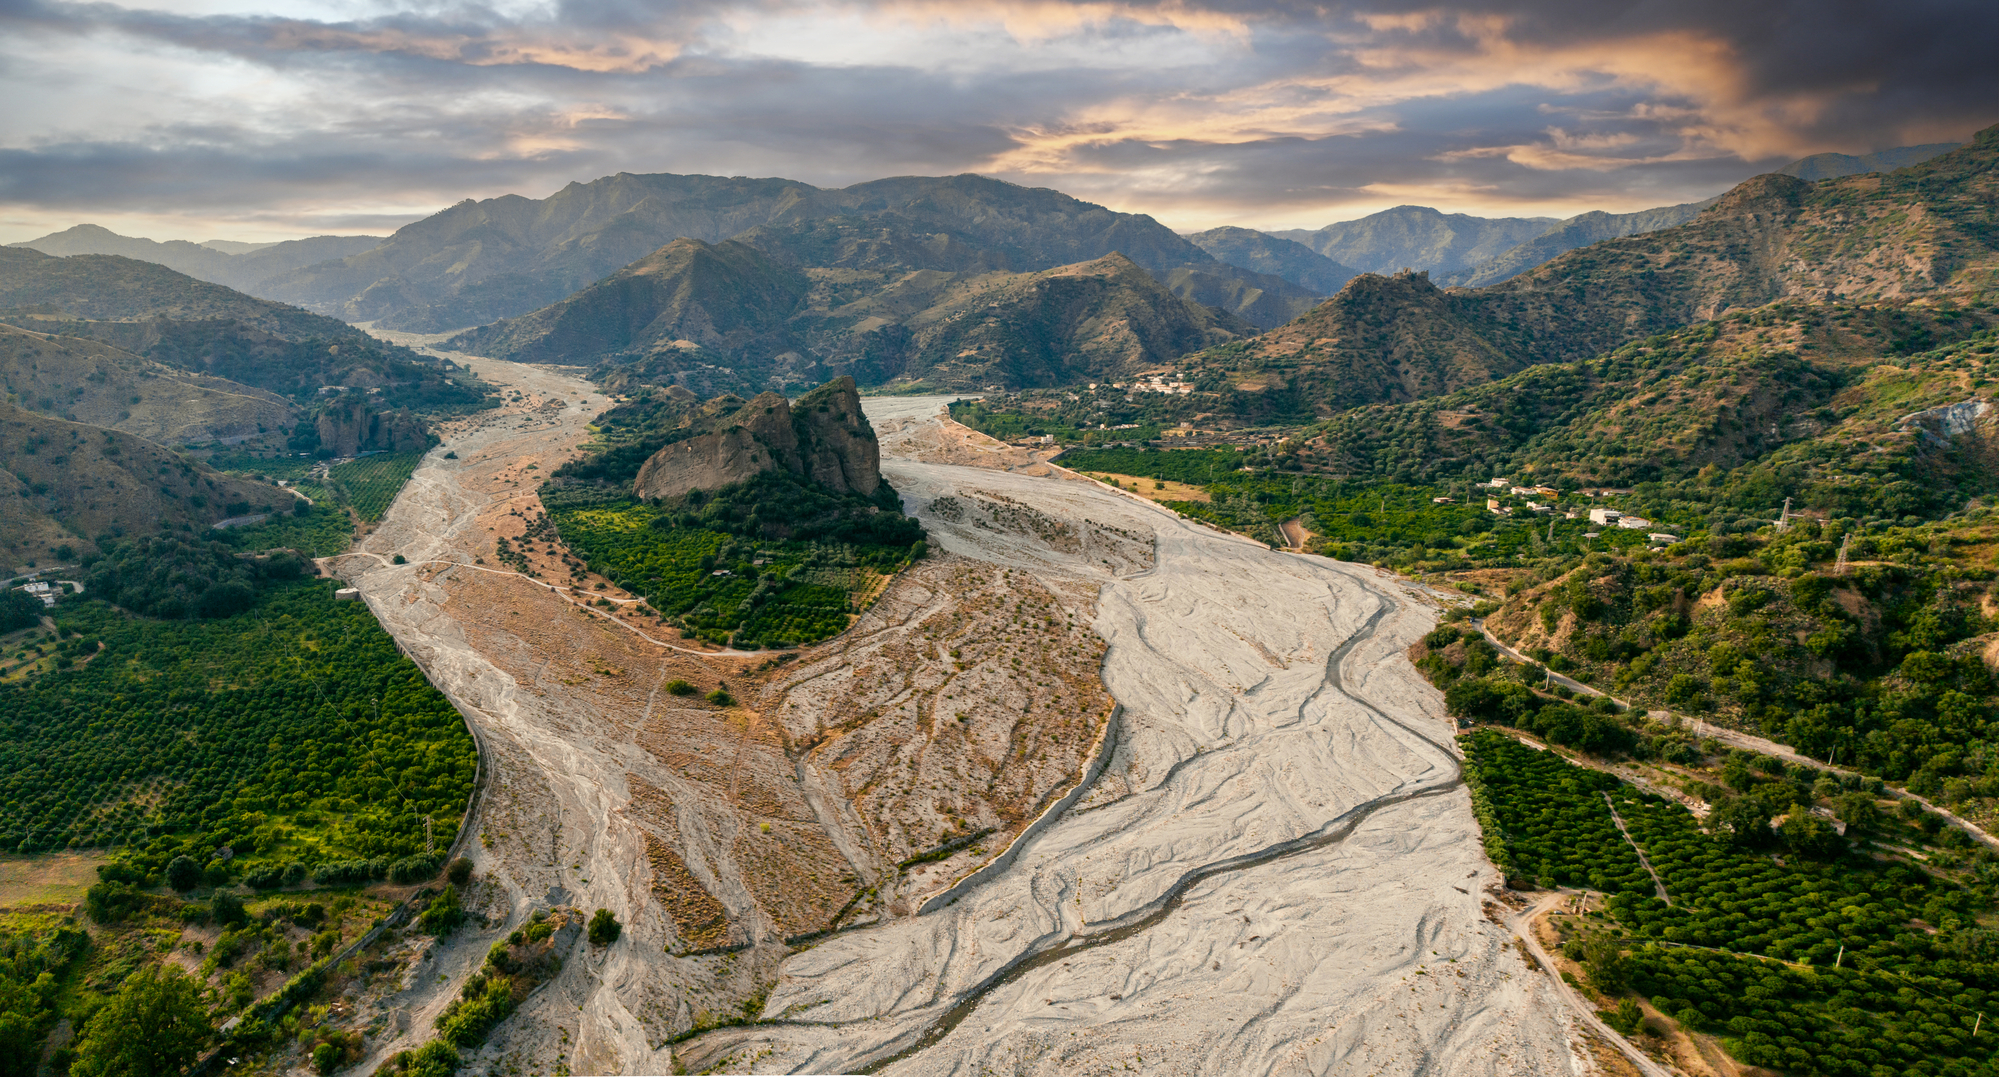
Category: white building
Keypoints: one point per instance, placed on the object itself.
(1604, 517)
(1633, 523)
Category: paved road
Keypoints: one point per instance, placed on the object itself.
(1737, 739)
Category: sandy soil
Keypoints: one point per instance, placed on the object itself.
(1277, 872)
(1264, 861)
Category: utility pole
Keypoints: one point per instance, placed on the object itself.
(1784, 517)
(1841, 957)
(1839, 568)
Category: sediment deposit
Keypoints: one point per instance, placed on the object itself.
(1264, 862)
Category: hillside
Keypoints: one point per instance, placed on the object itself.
(1804, 394)
(479, 262)
(1261, 252)
(66, 483)
(176, 320)
(691, 310)
(729, 298)
(1417, 237)
(1578, 231)
(1919, 231)
(88, 382)
(242, 266)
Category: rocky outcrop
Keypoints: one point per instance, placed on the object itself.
(351, 424)
(822, 438)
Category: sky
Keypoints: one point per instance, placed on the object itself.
(273, 119)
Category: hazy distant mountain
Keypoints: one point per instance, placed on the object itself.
(231, 246)
(242, 266)
(1821, 166)
(1417, 237)
(1262, 252)
(477, 262)
(1578, 231)
(1912, 232)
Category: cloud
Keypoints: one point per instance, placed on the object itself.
(249, 114)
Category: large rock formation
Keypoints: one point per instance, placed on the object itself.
(352, 424)
(822, 438)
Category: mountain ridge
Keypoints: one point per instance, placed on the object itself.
(478, 262)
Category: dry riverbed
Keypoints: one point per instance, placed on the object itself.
(1092, 789)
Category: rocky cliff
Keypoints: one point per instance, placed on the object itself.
(352, 424)
(822, 437)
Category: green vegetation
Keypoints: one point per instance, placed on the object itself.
(154, 1026)
(1070, 422)
(711, 564)
(292, 733)
(1375, 521)
(320, 530)
(1823, 962)
(604, 928)
(1879, 667)
(174, 578)
(34, 958)
(372, 482)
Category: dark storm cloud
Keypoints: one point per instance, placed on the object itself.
(1195, 111)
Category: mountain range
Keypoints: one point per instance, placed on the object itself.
(1918, 231)
(691, 310)
(242, 266)
(478, 262)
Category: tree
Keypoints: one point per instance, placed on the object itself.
(1858, 811)
(153, 1027)
(1604, 961)
(1809, 836)
(460, 871)
(183, 873)
(604, 928)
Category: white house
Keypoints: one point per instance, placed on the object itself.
(1633, 523)
(1604, 517)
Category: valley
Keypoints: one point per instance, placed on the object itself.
(1264, 746)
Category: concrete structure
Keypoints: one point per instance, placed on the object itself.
(1633, 523)
(347, 594)
(1604, 517)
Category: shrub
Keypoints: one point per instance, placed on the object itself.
(460, 871)
(720, 698)
(444, 915)
(680, 688)
(604, 928)
(183, 874)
